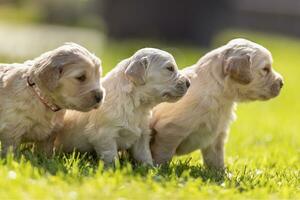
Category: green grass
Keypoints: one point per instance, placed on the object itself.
(262, 153)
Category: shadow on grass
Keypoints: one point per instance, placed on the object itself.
(81, 165)
(184, 169)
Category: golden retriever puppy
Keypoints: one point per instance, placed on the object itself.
(33, 95)
(132, 88)
(239, 71)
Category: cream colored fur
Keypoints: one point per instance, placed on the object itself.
(133, 88)
(239, 71)
(23, 116)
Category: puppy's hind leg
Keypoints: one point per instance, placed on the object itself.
(163, 146)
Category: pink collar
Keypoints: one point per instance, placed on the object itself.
(43, 99)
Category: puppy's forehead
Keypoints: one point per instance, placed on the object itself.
(77, 54)
(153, 53)
(261, 60)
(262, 55)
(257, 51)
(247, 43)
(72, 48)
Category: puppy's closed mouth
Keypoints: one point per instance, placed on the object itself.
(93, 107)
(96, 106)
(169, 95)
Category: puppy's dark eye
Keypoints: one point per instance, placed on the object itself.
(81, 78)
(170, 68)
(266, 69)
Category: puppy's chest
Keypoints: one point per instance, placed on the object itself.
(41, 123)
(27, 120)
(40, 128)
(126, 138)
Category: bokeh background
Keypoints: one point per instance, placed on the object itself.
(29, 27)
(263, 150)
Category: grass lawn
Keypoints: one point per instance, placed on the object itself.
(262, 153)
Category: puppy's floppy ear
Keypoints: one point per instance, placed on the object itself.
(238, 68)
(136, 71)
(49, 71)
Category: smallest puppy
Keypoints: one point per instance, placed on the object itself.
(240, 71)
(133, 88)
(33, 95)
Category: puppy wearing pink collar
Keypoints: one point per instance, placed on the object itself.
(33, 95)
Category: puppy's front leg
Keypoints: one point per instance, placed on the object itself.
(47, 146)
(213, 155)
(141, 149)
(106, 150)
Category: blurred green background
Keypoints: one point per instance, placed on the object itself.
(263, 149)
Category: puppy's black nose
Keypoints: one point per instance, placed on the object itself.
(187, 83)
(280, 83)
(98, 96)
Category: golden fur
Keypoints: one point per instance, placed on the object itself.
(133, 88)
(28, 90)
(236, 72)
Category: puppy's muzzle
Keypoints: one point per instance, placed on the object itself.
(183, 84)
(277, 86)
